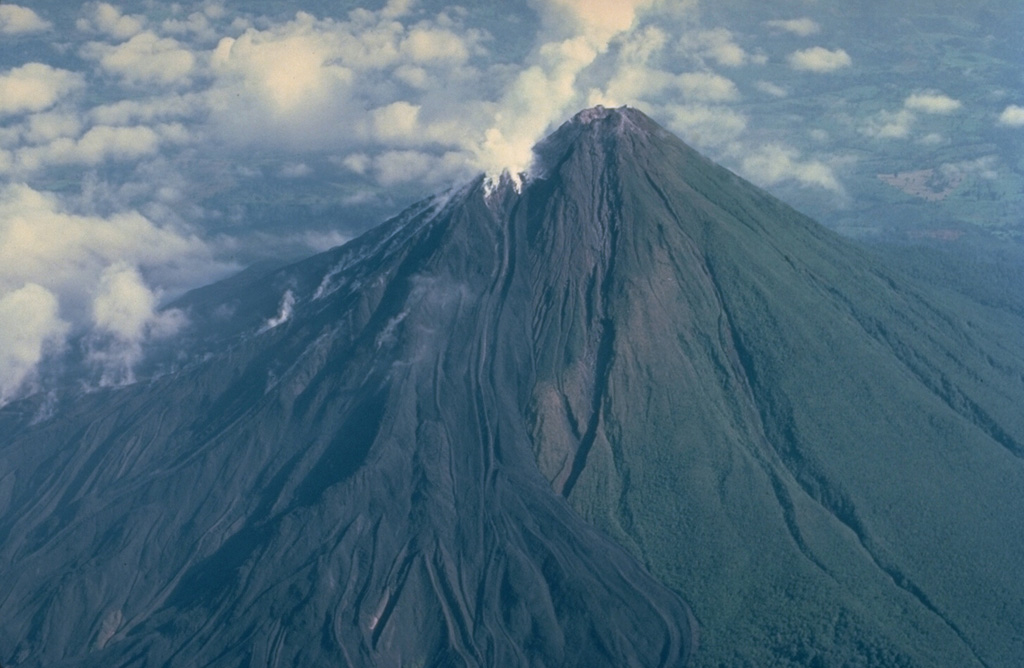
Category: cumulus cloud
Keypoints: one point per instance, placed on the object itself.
(707, 86)
(769, 88)
(75, 272)
(41, 241)
(931, 103)
(637, 84)
(802, 26)
(1012, 116)
(45, 127)
(18, 20)
(898, 124)
(718, 45)
(149, 109)
(433, 45)
(199, 24)
(890, 124)
(105, 18)
(99, 144)
(29, 323)
(985, 167)
(316, 83)
(286, 81)
(145, 58)
(819, 59)
(704, 125)
(775, 163)
(124, 317)
(35, 87)
(392, 168)
(396, 121)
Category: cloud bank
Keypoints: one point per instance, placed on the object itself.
(63, 272)
(151, 114)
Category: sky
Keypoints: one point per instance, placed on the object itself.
(147, 148)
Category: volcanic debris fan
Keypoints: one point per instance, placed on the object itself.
(516, 426)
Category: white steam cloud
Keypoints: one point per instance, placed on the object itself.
(544, 92)
(284, 312)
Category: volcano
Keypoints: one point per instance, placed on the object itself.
(631, 412)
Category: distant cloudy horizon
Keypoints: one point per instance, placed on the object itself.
(149, 148)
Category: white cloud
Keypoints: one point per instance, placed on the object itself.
(282, 83)
(984, 167)
(705, 125)
(596, 20)
(426, 45)
(639, 46)
(802, 26)
(775, 163)
(200, 24)
(29, 323)
(1012, 116)
(707, 86)
(890, 124)
(35, 87)
(717, 44)
(769, 88)
(357, 162)
(819, 59)
(124, 317)
(898, 124)
(931, 103)
(145, 58)
(632, 84)
(396, 121)
(99, 144)
(47, 126)
(392, 168)
(64, 271)
(42, 242)
(149, 109)
(105, 18)
(18, 20)
(295, 170)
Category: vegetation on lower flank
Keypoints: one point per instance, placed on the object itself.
(827, 467)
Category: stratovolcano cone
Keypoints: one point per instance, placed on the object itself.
(518, 427)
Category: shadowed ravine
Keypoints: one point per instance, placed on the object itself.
(518, 428)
